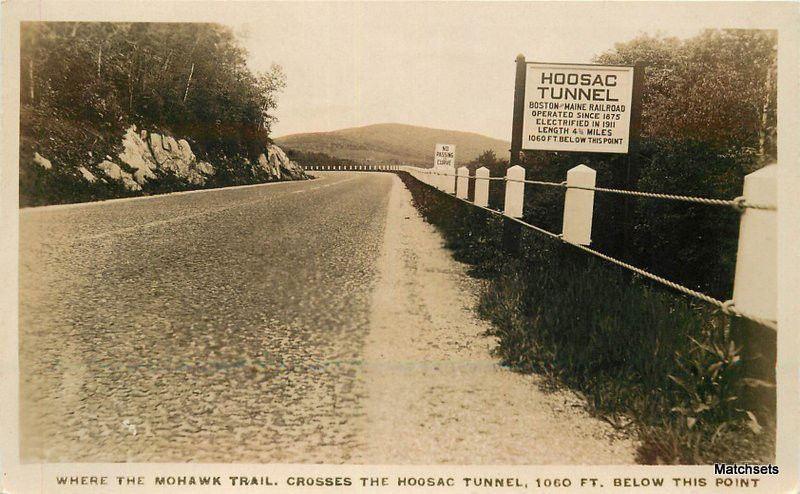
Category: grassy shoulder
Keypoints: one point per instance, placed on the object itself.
(649, 361)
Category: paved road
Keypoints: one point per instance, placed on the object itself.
(306, 322)
(217, 326)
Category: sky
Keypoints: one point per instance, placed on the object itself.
(442, 65)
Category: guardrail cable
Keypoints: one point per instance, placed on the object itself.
(738, 203)
(517, 220)
(727, 307)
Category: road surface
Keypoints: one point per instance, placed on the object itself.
(282, 323)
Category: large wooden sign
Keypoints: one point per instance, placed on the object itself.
(582, 108)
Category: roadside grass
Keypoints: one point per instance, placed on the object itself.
(649, 361)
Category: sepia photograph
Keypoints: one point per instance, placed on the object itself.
(447, 237)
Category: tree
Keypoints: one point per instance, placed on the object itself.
(718, 87)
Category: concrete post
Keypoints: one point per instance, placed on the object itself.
(449, 179)
(579, 206)
(482, 187)
(755, 288)
(462, 182)
(515, 192)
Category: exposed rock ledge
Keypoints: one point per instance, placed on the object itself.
(145, 154)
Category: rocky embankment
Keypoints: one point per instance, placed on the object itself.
(151, 162)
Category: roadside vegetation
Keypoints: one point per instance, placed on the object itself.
(84, 83)
(650, 362)
(678, 373)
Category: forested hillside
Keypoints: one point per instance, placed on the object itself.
(185, 87)
(393, 144)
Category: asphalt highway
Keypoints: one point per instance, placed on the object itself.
(219, 326)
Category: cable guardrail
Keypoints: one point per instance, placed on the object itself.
(739, 204)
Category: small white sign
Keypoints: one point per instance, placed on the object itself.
(584, 108)
(444, 155)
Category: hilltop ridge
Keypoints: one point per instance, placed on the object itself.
(393, 143)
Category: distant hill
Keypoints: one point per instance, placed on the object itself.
(393, 143)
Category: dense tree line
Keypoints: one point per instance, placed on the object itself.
(83, 83)
(190, 78)
(310, 158)
(708, 118)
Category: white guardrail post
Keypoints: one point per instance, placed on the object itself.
(755, 287)
(462, 182)
(482, 187)
(515, 192)
(579, 206)
(449, 180)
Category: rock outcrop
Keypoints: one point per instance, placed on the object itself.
(87, 175)
(147, 152)
(149, 156)
(143, 162)
(279, 166)
(42, 161)
(115, 172)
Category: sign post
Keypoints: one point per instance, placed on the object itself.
(512, 229)
(632, 161)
